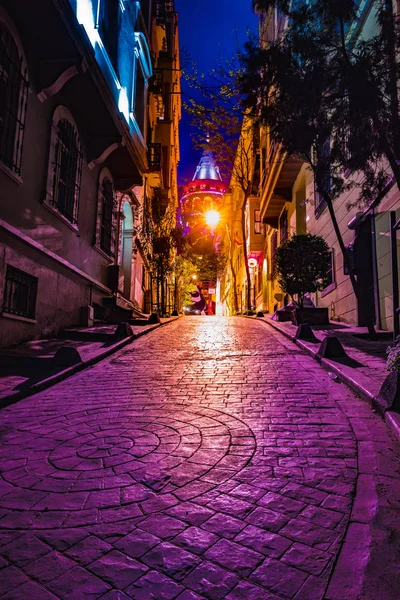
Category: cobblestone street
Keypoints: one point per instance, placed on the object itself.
(209, 459)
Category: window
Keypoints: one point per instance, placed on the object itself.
(331, 272)
(20, 293)
(13, 100)
(350, 260)
(108, 25)
(257, 222)
(274, 245)
(259, 277)
(107, 229)
(140, 100)
(322, 157)
(65, 167)
(331, 282)
(106, 215)
(283, 226)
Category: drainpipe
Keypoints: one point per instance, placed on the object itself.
(118, 228)
(394, 226)
(375, 270)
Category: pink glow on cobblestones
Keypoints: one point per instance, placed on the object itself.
(211, 459)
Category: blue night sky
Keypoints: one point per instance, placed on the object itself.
(206, 31)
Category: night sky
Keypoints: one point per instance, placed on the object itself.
(206, 30)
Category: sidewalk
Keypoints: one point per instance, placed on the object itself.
(364, 372)
(29, 367)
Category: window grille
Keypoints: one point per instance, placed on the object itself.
(13, 101)
(67, 170)
(20, 293)
(107, 227)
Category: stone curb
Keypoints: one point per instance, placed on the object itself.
(65, 373)
(360, 384)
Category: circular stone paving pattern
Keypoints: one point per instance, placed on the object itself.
(80, 469)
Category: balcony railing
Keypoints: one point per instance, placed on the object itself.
(156, 85)
(163, 9)
(154, 156)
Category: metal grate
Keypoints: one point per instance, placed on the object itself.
(13, 100)
(67, 172)
(20, 293)
(107, 228)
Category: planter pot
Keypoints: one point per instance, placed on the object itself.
(389, 394)
(311, 316)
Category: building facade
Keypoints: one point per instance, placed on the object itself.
(289, 203)
(76, 125)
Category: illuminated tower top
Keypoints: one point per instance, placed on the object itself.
(207, 168)
(202, 194)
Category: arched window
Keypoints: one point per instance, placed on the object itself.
(106, 219)
(65, 166)
(13, 100)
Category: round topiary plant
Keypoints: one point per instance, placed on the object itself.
(302, 265)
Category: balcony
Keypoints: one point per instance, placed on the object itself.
(157, 89)
(276, 187)
(157, 82)
(154, 158)
(255, 238)
(164, 8)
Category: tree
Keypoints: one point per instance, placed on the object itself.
(302, 263)
(161, 240)
(330, 98)
(207, 256)
(222, 126)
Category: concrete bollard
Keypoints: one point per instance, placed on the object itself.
(331, 347)
(304, 332)
(123, 330)
(154, 318)
(66, 356)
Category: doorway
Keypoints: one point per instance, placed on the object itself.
(127, 248)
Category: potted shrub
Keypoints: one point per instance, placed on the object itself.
(389, 394)
(302, 265)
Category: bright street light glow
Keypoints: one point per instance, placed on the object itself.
(212, 218)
